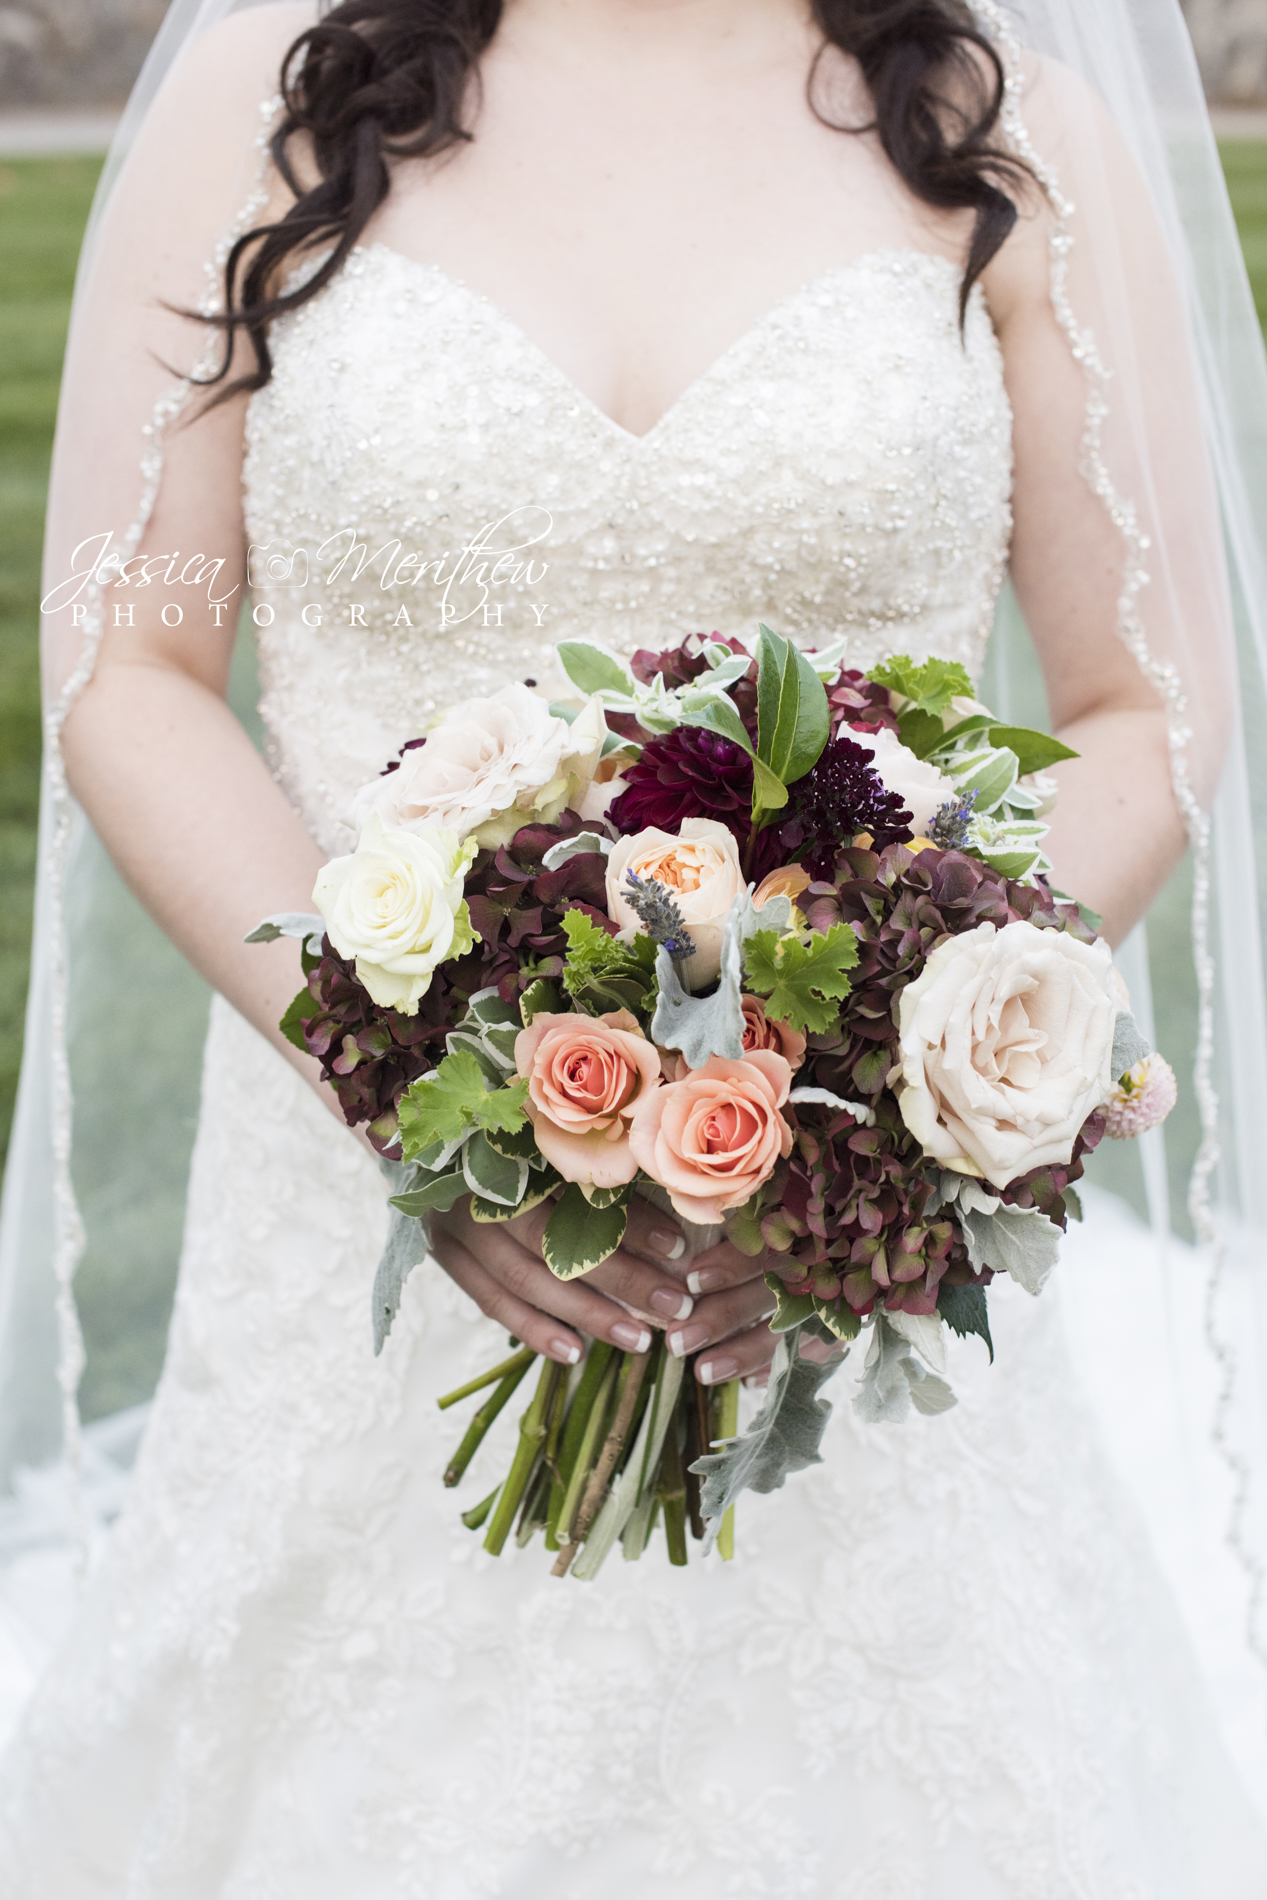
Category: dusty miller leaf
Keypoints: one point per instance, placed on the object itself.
(893, 1380)
(1015, 1240)
(408, 1243)
(1129, 1046)
(783, 1437)
(701, 1026)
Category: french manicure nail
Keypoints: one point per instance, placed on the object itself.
(668, 1242)
(706, 1280)
(566, 1350)
(632, 1338)
(687, 1340)
(672, 1302)
(716, 1371)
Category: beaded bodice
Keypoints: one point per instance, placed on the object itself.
(433, 505)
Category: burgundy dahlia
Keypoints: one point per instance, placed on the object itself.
(688, 773)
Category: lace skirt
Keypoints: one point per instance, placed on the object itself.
(942, 1664)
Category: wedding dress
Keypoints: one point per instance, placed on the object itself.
(943, 1663)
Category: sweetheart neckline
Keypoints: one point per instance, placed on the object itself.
(853, 267)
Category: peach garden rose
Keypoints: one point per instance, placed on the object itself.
(700, 866)
(586, 1077)
(712, 1138)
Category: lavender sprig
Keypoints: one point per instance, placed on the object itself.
(949, 829)
(656, 910)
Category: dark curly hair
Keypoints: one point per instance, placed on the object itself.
(382, 79)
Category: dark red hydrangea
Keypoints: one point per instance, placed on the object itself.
(370, 1055)
(854, 1222)
(856, 701)
(688, 773)
(840, 796)
(517, 907)
(679, 666)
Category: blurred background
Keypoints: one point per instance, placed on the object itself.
(65, 69)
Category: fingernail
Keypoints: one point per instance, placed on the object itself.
(687, 1340)
(667, 1241)
(672, 1303)
(716, 1371)
(565, 1350)
(707, 1280)
(632, 1338)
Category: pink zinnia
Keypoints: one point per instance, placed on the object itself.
(1142, 1099)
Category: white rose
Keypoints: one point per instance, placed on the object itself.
(491, 766)
(700, 867)
(1006, 1047)
(962, 707)
(920, 786)
(396, 905)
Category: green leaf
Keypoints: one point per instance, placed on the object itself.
(893, 1381)
(840, 1321)
(441, 1194)
(1011, 863)
(578, 1236)
(494, 1177)
(964, 1310)
(991, 775)
(1035, 751)
(792, 713)
(803, 983)
(291, 1024)
(440, 1107)
(715, 713)
(592, 669)
(930, 686)
(601, 1197)
(521, 1145)
(922, 732)
(793, 1309)
(539, 999)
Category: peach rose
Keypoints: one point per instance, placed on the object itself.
(760, 1033)
(789, 881)
(701, 868)
(586, 1076)
(714, 1137)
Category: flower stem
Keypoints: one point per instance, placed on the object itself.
(532, 1431)
(635, 1372)
(579, 1413)
(524, 1357)
(586, 1450)
(479, 1425)
(727, 1427)
(474, 1518)
(697, 1406)
(672, 1489)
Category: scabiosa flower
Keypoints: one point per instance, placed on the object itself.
(688, 773)
(840, 796)
(949, 828)
(1142, 1099)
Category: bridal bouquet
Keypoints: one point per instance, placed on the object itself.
(766, 938)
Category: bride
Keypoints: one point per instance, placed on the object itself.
(722, 311)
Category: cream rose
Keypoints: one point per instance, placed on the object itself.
(1006, 1047)
(714, 1137)
(396, 905)
(701, 868)
(585, 1076)
(920, 786)
(491, 766)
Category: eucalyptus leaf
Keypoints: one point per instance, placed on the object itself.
(784, 1436)
(1035, 751)
(792, 712)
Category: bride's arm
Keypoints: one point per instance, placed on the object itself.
(1117, 832)
(185, 805)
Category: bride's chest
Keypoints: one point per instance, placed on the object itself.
(846, 461)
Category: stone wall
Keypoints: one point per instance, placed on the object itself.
(1231, 41)
(73, 52)
(88, 52)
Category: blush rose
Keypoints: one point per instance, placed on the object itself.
(715, 1136)
(1006, 1047)
(586, 1076)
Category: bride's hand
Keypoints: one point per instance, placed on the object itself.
(719, 1300)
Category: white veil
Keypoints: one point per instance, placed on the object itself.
(1127, 83)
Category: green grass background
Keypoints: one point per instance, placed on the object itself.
(125, 1289)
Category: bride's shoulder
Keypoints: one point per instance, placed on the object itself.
(227, 76)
